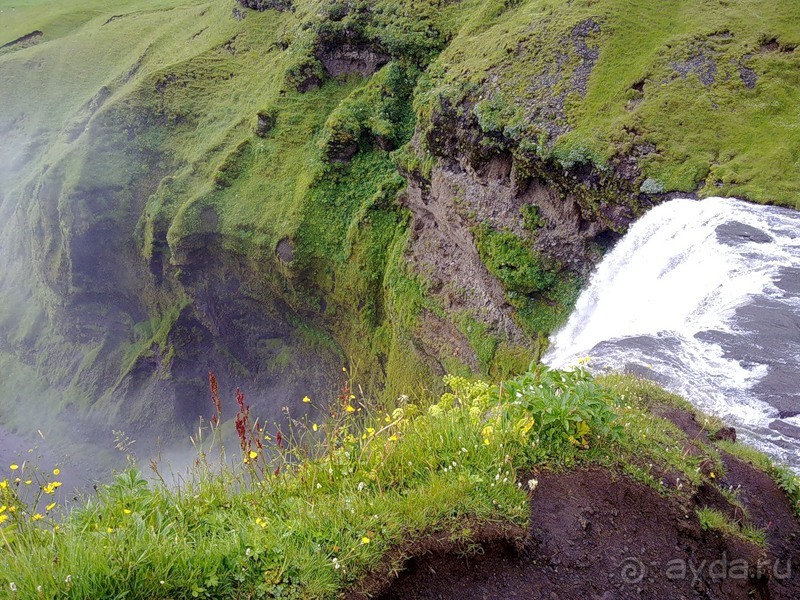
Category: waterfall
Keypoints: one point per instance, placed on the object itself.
(703, 296)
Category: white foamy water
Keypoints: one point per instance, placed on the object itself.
(704, 297)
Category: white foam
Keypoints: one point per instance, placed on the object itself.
(669, 279)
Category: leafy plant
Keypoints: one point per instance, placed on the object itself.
(566, 406)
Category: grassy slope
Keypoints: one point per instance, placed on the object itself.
(347, 491)
(722, 138)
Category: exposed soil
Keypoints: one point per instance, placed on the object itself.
(598, 535)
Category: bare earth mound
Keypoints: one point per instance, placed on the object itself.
(598, 535)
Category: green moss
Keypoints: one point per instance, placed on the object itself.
(513, 261)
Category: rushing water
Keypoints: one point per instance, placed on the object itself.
(703, 297)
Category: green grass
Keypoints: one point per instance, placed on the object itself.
(314, 512)
(713, 519)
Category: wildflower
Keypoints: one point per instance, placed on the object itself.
(349, 409)
(306, 399)
(56, 472)
(361, 485)
(314, 427)
(365, 540)
(712, 475)
(13, 586)
(28, 481)
(253, 454)
(532, 483)
(14, 466)
(37, 517)
(127, 511)
(109, 530)
(50, 506)
(392, 438)
(3, 518)
(370, 431)
(4, 484)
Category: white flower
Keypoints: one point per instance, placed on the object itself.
(361, 485)
(532, 483)
(13, 586)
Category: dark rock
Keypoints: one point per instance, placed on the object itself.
(734, 233)
(285, 250)
(261, 5)
(784, 428)
(727, 434)
(24, 41)
(346, 58)
(265, 121)
(748, 76)
(701, 64)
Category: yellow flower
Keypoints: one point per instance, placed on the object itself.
(350, 409)
(50, 506)
(306, 399)
(37, 517)
(712, 475)
(4, 484)
(14, 466)
(365, 540)
(127, 511)
(392, 438)
(253, 454)
(28, 481)
(56, 471)
(12, 509)
(486, 441)
(3, 518)
(314, 427)
(109, 530)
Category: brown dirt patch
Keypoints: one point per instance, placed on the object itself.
(594, 534)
